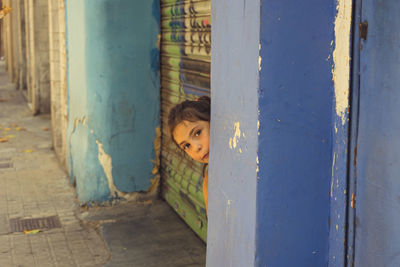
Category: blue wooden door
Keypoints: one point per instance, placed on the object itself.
(374, 238)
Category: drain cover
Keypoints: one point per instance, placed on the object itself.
(5, 165)
(20, 225)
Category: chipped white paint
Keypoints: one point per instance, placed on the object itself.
(229, 202)
(329, 57)
(259, 57)
(341, 57)
(258, 163)
(106, 162)
(233, 141)
(80, 121)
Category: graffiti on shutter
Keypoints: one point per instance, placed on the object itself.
(185, 74)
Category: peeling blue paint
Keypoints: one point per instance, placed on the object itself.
(113, 83)
(338, 193)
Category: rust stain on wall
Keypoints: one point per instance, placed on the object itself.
(4, 11)
(155, 181)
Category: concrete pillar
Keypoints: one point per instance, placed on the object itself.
(114, 96)
(41, 92)
(36, 45)
(30, 54)
(57, 75)
(8, 39)
(21, 79)
(15, 22)
(63, 79)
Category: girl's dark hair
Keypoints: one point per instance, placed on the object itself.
(189, 110)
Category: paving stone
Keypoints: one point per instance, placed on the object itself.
(4, 152)
(3, 225)
(34, 185)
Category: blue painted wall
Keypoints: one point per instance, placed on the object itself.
(377, 211)
(296, 105)
(113, 92)
(280, 91)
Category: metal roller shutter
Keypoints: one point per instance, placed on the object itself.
(185, 74)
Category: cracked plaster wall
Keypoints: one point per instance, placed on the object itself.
(113, 97)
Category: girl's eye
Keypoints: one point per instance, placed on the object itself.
(186, 146)
(198, 133)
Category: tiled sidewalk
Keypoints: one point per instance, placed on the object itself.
(33, 185)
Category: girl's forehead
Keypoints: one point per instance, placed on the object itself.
(192, 124)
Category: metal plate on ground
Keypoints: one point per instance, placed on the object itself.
(6, 165)
(21, 224)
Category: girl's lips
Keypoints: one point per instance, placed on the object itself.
(205, 156)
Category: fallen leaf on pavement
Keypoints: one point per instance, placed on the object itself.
(29, 232)
(3, 139)
(11, 136)
(7, 129)
(20, 129)
(28, 151)
(45, 129)
(146, 202)
(3, 100)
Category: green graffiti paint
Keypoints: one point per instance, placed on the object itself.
(185, 74)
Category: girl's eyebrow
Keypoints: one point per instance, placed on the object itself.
(182, 143)
(191, 131)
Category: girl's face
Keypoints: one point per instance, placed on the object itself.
(194, 139)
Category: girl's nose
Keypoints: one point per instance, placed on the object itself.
(198, 147)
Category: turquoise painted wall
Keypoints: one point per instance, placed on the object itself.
(113, 95)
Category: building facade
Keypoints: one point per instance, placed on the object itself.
(304, 150)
